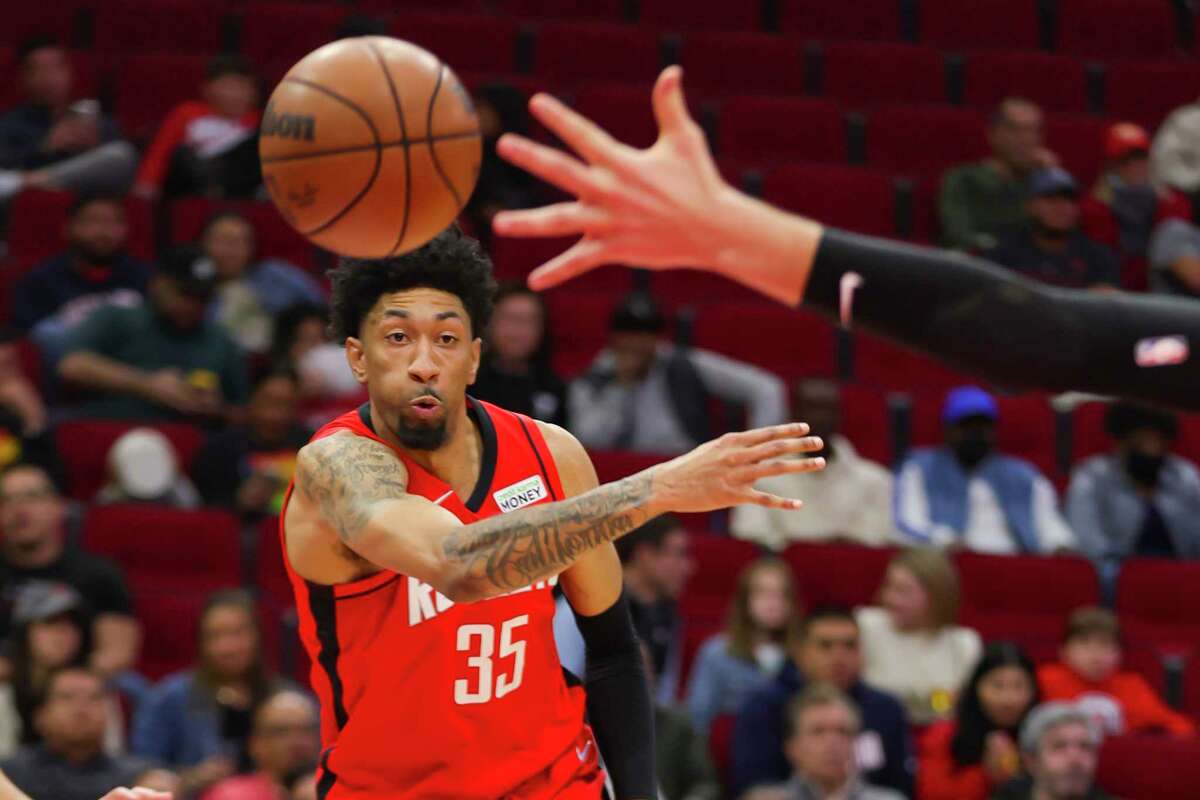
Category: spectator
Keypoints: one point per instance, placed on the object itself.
(70, 763)
(24, 429)
(143, 468)
(32, 521)
(1125, 205)
(827, 651)
(516, 372)
(50, 142)
(247, 467)
(823, 724)
(302, 785)
(681, 761)
(978, 201)
(849, 500)
(501, 109)
(95, 270)
(302, 342)
(1138, 500)
(1175, 153)
(284, 738)
(763, 621)
(1089, 671)
(911, 644)
(161, 360)
(964, 494)
(1059, 747)
(1174, 259)
(643, 394)
(208, 146)
(1050, 247)
(198, 721)
(970, 756)
(251, 291)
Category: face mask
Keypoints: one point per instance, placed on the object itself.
(971, 449)
(1143, 468)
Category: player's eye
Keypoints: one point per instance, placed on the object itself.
(448, 338)
(399, 337)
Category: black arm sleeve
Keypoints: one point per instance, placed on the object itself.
(618, 700)
(987, 321)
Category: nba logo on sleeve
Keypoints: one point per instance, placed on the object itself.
(1161, 351)
(521, 494)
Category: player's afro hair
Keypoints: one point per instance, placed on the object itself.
(452, 262)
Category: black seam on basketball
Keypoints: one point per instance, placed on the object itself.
(378, 151)
(433, 156)
(358, 148)
(404, 137)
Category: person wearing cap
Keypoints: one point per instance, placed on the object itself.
(1050, 247)
(162, 360)
(1139, 499)
(644, 394)
(1125, 206)
(965, 494)
(1060, 749)
(144, 468)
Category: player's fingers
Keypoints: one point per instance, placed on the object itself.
(581, 134)
(774, 448)
(759, 435)
(773, 500)
(553, 166)
(751, 473)
(670, 107)
(560, 219)
(583, 256)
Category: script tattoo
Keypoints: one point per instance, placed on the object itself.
(345, 476)
(512, 551)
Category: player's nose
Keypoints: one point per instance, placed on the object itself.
(423, 368)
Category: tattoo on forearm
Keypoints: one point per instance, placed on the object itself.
(511, 551)
(344, 476)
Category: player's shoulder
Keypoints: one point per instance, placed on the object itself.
(344, 453)
(574, 465)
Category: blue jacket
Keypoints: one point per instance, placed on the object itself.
(720, 683)
(758, 757)
(176, 724)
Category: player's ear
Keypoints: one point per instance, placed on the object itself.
(476, 349)
(357, 359)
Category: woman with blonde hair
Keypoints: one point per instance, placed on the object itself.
(911, 643)
(763, 622)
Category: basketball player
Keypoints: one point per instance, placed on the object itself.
(10, 792)
(667, 206)
(424, 533)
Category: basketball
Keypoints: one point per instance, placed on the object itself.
(370, 146)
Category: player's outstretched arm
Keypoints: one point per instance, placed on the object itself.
(358, 487)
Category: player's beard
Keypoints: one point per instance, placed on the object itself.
(421, 435)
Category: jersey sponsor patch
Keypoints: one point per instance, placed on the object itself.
(521, 494)
(1161, 351)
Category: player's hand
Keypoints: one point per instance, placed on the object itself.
(722, 473)
(135, 794)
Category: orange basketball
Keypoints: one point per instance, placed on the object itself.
(370, 146)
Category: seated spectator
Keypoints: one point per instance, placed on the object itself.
(1125, 205)
(24, 428)
(70, 762)
(284, 737)
(1174, 259)
(763, 620)
(247, 467)
(644, 394)
(978, 201)
(968, 757)
(1089, 672)
(57, 295)
(302, 343)
(198, 721)
(823, 724)
(1175, 153)
(1138, 500)
(1060, 748)
(208, 146)
(681, 761)
(32, 522)
(1050, 247)
(162, 360)
(515, 372)
(849, 500)
(50, 142)
(251, 291)
(827, 652)
(911, 644)
(143, 468)
(965, 494)
(302, 785)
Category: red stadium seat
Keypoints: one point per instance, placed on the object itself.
(1026, 428)
(36, 220)
(121, 26)
(1154, 598)
(276, 239)
(865, 422)
(1191, 686)
(270, 575)
(838, 574)
(603, 10)
(857, 199)
(287, 31)
(170, 624)
(686, 287)
(720, 745)
(149, 85)
(84, 446)
(1088, 436)
(718, 562)
(26, 20)
(682, 14)
(1055, 82)
(579, 323)
(788, 342)
(1078, 141)
(612, 465)
(867, 20)
(1111, 29)
(865, 74)
(571, 54)
(480, 43)
(883, 365)
(1001, 24)
(622, 110)
(924, 140)
(1150, 767)
(1147, 91)
(743, 63)
(770, 130)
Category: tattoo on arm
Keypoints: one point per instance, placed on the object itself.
(344, 476)
(511, 551)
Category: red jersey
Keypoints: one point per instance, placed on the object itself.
(425, 698)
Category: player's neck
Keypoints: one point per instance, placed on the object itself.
(458, 460)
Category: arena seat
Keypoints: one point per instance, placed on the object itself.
(623, 110)
(865, 422)
(838, 574)
(682, 14)
(999, 24)
(1153, 598)
(26, 20)
(1150, 767)
(170, 627)
(883, 365)
(864, 20)
(600, 10)
(789, 342)
(1191, 686)
(579, 322)
(36, 220)
(1026, 429)
(84, 445)
(857, 199)
(573, 54)
(513, 259)
(742, 63)
(270, 575)
(287, 31)
(1055, 82)
(1147, 91)
(710, 588)
(1088, 437)
(468, 42)
(770, 130)
(276, 239)
(924, 140)
(150, 85)
(720, 746)
(121, 26)
(1111, 29)
(1078, 140)
(863, 75)
(692, 288)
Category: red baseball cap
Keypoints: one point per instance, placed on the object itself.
(1124, 138)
